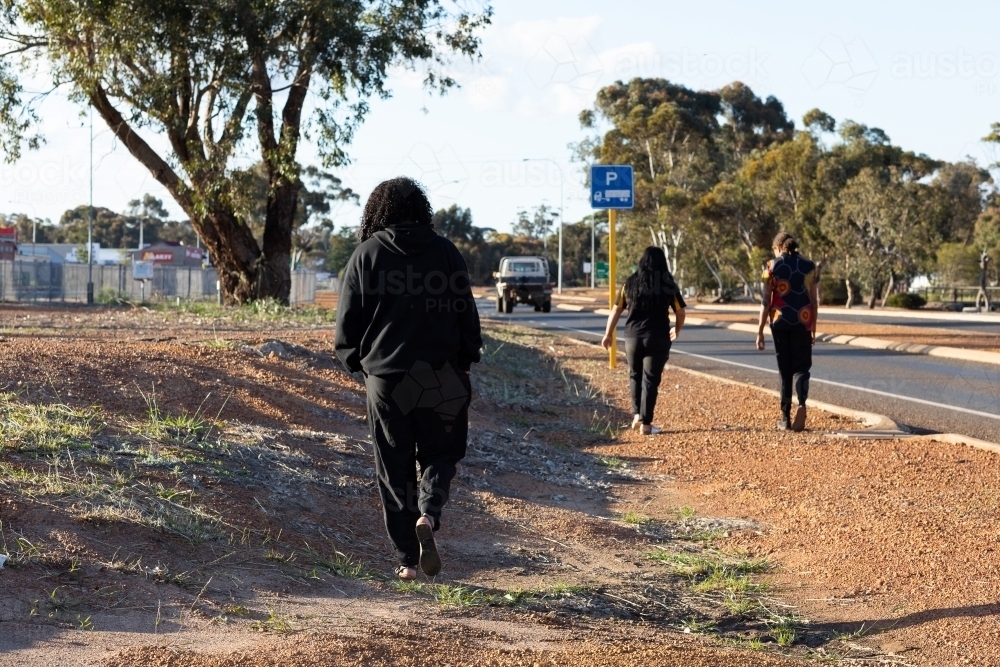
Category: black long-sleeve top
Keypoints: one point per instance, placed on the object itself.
(405, 297)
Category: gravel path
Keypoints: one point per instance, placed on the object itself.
(877, 552)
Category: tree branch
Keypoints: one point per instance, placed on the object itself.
(265, 110)
(141, 150)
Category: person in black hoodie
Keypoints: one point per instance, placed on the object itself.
(406, 318)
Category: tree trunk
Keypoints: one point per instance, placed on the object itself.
(888, 290)
(718, 277)
(747, 285)
(850, 293)
(276, 264)
(873, 295)
(234, 252)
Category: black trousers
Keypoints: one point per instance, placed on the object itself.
(646, 359)
(422, 418)
(793, 347)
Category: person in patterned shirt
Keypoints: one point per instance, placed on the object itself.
(789, 303)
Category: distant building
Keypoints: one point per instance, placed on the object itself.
(169, 253)
(50, 252)
(8, 242)
(72, 253)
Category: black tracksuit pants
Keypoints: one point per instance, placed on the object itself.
(421, 417)
(793, 348)
(646, 358)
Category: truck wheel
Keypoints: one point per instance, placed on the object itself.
(537, 308)
(499, 304)
(508, 305)
(547, 306)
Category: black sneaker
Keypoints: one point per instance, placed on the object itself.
(430, 560)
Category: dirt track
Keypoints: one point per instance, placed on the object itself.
(877, 550)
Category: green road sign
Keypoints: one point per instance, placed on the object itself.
(602, 271)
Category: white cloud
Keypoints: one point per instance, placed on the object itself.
(535, 68)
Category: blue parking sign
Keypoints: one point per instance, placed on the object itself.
(611, 186)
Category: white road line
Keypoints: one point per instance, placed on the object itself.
(842, 385)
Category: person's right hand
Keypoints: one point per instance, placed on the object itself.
(760, 340)
(606, 342)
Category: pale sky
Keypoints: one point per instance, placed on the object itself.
(928, 73)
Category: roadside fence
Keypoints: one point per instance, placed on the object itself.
(33, 281)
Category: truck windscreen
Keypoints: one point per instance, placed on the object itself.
(523, 267)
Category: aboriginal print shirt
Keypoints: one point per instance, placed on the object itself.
(790, 276)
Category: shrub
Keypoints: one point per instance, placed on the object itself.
(108, 296)
(906, 300)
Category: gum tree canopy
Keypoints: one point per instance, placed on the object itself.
(215, 80)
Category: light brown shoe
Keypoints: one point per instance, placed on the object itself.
(799, 422)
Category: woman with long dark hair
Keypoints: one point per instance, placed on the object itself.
(648, 295)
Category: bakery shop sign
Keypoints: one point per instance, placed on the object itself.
(157, 256)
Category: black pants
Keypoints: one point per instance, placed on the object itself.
(646, 359)
(793, 348)
(420, 417)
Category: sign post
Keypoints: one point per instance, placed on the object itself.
(611, 187)
(612, 279)
(142, 271)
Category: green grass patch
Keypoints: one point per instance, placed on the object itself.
(183, 429)
(274, 622)
(685, 512)
(696, 626)
(635, 519)
(784, 635)
(612, 462)
(341, 565)
(264, 310)
(459, 595)
(45, 427)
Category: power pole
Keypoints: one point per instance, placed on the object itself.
(90, 219)
(593, 254)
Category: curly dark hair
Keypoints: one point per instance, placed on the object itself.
(785, 242)
(398, 201)
(652, 283)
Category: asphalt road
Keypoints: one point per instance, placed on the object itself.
(843, 315)
(925, 394)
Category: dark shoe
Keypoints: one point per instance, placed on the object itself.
(784, 425)
(799, 423)
(430, 560)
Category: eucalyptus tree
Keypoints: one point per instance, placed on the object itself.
(667, 133)
(191, 88)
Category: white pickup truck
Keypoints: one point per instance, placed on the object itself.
(523, 280)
